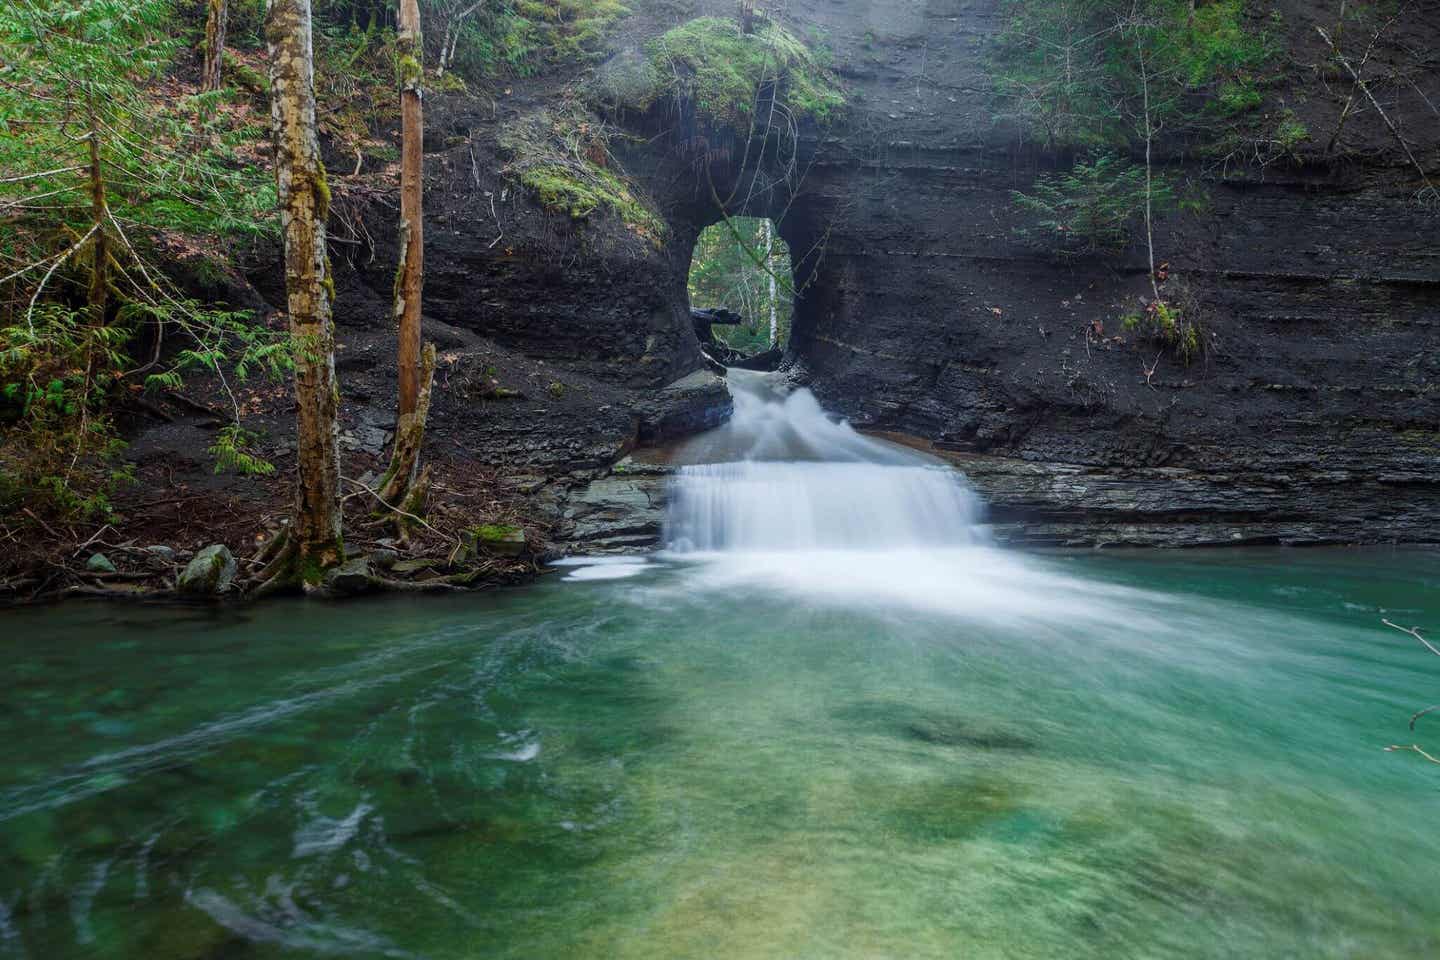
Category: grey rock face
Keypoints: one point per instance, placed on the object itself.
(209, 573)
(620, 513)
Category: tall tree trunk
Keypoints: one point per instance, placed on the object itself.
(98, 295)
(412, 243)
(304, 207)
(216, 15)
(416, 369)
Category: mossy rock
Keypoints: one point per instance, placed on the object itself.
(720, 70)
(497, 539)
(209, 573)
(561, 156)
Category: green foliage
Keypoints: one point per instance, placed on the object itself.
(232, 452)
(731, 268)
(177, 178)
(723, 73)
(519, 37)
(1290, 132)
(1073, 73)
(1092, 207)
(59, 450)
(1171, 326)
(562, 156)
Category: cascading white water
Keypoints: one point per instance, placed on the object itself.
(788, 477)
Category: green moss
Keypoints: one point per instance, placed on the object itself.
(493, 532)
(239, 73)
(721, 71)
(580, 194)
(1291, 132)
(407, 70)
(560, 155)
(322, 192)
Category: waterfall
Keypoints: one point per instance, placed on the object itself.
(782, 475)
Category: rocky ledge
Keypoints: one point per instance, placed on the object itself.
(1041, 504)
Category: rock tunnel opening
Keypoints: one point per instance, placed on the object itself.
(741, 286)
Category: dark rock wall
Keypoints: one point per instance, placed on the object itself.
(1313, 417)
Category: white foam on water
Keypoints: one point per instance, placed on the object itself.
(804, 504)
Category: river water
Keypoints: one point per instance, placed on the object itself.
(812, 728)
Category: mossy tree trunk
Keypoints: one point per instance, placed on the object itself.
(410, 277)
(216, 13)
(404, 486)
(304, 206)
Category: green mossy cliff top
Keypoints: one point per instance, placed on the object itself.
(721, 71)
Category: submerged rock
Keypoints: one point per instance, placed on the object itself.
(209, 573)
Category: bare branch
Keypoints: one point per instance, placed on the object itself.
(1422, 713)
(1414, 632)
(1412, 746)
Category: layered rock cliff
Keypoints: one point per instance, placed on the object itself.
(1311, 418)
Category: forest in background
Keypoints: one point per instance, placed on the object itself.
(743, 265)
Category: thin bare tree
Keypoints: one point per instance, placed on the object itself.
(403, 483)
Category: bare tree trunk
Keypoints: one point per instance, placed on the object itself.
(769, 248)
(452, 36)
(410, 277)
(216, 15)
(304, 206)
(1149, 131)
(99, 293)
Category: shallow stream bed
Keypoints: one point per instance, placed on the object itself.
(981, 754)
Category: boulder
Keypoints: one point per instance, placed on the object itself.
(406, 567)
(209, 573)
(99, 563)
(495, 539)
(351, 578)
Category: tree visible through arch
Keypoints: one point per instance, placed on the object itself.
(744, 266)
